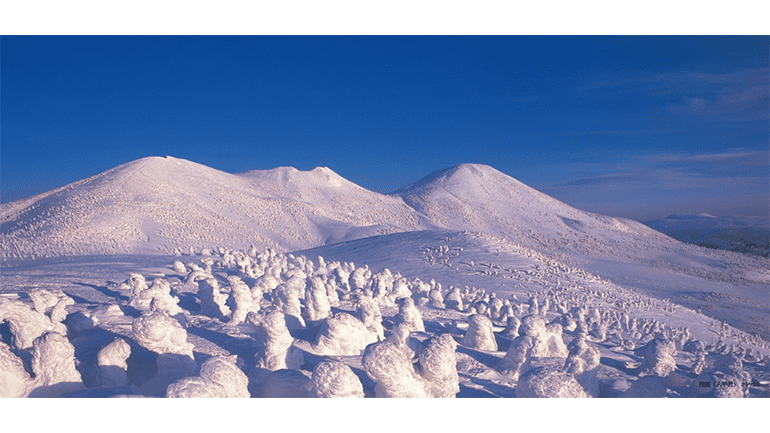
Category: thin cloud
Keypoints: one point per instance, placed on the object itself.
(735, 96)
(654, 185)
(749, 158)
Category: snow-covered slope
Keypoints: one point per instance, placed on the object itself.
(479, 198)
(154, 205)
(598, 303)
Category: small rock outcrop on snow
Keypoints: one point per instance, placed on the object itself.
(333, 379)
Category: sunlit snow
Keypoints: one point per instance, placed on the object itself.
(167, 278)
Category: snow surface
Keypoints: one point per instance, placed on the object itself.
(169, 278)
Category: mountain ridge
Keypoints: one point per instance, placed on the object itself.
(155, 205)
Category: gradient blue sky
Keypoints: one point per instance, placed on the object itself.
(640, 127)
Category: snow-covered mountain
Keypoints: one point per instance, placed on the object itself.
(154, 205)
(353, 267)
(750, 235)
(158, 205)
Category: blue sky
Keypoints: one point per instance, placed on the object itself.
(640, 127)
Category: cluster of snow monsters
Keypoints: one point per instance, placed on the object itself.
(267, 295)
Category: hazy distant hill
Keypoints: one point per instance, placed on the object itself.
(740, 234)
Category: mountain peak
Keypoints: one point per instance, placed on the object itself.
(467, 173)
(290, 176)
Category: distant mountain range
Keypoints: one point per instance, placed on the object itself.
(156, 205)
(749, 235)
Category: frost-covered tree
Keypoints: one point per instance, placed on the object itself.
(317, 306)
(25, 323)
(243, 300)
(194, 387)
(410, 315)
(111, 361)
(219, 378)
(479, 334)
(360, 279)
(495, 307)
(178, 267)
(53, 362)
(436, 299)
(583, 362)
(135, 285)
(368, 312)
(286, 297)
(159, 296)
(517, 358)
(343, 334)
(401, 338)
(545, 382)
(658, 357)
(547, 338)
(158, 332)
(401, 288)
(439, 366)
(512, 327)
(213, 301)
(392, 371)
(454, 299)
(275, 348)
(333, 379)
(15, 382)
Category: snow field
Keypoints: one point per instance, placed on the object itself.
(575, 339)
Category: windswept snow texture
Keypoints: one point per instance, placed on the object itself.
(297, 283)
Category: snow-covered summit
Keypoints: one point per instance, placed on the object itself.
(478, 197)
(154, 205)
